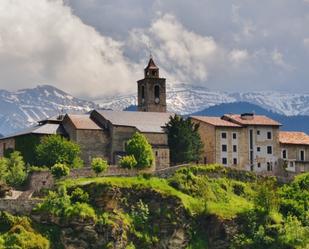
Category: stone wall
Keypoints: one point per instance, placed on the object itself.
(6, 144)
(18, 207)
(41, 180)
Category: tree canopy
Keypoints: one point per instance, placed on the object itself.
(184, 140)
(139, 147)
(56, 149)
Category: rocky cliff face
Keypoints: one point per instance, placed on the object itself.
(169, 224)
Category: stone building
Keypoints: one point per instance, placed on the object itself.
(151, 90)
(26, 140)
(105, 133)
(245, 141)
(294, 151)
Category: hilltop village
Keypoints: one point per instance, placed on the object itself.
(244, 141)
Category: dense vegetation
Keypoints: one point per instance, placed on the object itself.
(141, 211)
(140, 154)
(57, 149)
(267, 215)
(184, 140)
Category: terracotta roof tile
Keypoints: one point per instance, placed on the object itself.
(297, 138)
(83, 122)
(255, 120)
(216, 121)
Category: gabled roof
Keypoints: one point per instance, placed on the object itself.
(293, 137)
(83, 122)
(151, 65)
(46, 129)
(216, 121)
(253, 120)
(152, 122)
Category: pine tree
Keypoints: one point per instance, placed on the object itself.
(184, 140)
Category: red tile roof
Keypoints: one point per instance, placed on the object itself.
(215, 121)
(254, 120)
(83, 122)
(297, 138)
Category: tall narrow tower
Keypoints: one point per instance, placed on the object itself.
(152, 90)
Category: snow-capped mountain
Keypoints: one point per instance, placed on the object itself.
(186, 99)
(25, 107)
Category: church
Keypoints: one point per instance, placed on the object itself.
(104, 133)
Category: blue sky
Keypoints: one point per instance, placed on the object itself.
(97, 47)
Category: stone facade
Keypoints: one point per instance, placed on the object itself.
(293, 161)
(248, 147)
(6, 144)
(93, 143)
(151, 90)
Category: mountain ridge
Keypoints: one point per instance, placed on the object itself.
(25, 107)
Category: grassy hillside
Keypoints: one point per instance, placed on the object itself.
(196, 208)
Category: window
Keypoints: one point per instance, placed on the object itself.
(302, 155)
(157, 153)
(235, 161)
(258, 149)
(224, 161)
(291, 164)
(234, 135)
(284, 154)
(269, 150)
(259, 165)
(269, 135)
(224, 147)
(234, 148)
(157, 91)
(269, 166)
(258, 132)
(223, 135)
(205, 160)
(143, 92)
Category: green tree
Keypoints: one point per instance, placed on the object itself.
(99, 165)
(3, 169)
(266, 198)
(184, 140)
(128, 162)
(56, 149)
(79, 195)
(60, 170)
(16, 170)
(139, 147)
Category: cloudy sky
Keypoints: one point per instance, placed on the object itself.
(95, 47)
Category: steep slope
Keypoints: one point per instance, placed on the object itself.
(25, 107)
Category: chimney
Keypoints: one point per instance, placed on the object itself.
(247, 116)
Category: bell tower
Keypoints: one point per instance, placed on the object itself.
(151, 90)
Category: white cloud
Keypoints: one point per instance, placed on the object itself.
(184, 55)
(278, 59)
(43, 42)
(238, 56)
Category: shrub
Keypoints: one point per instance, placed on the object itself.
(99, 165)
(139, 147)
(128, 162)
(15, 169)
(80, 210)
(60, 170)
(17, 233)
(56, 149)
(140, 214)
(79, 195)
